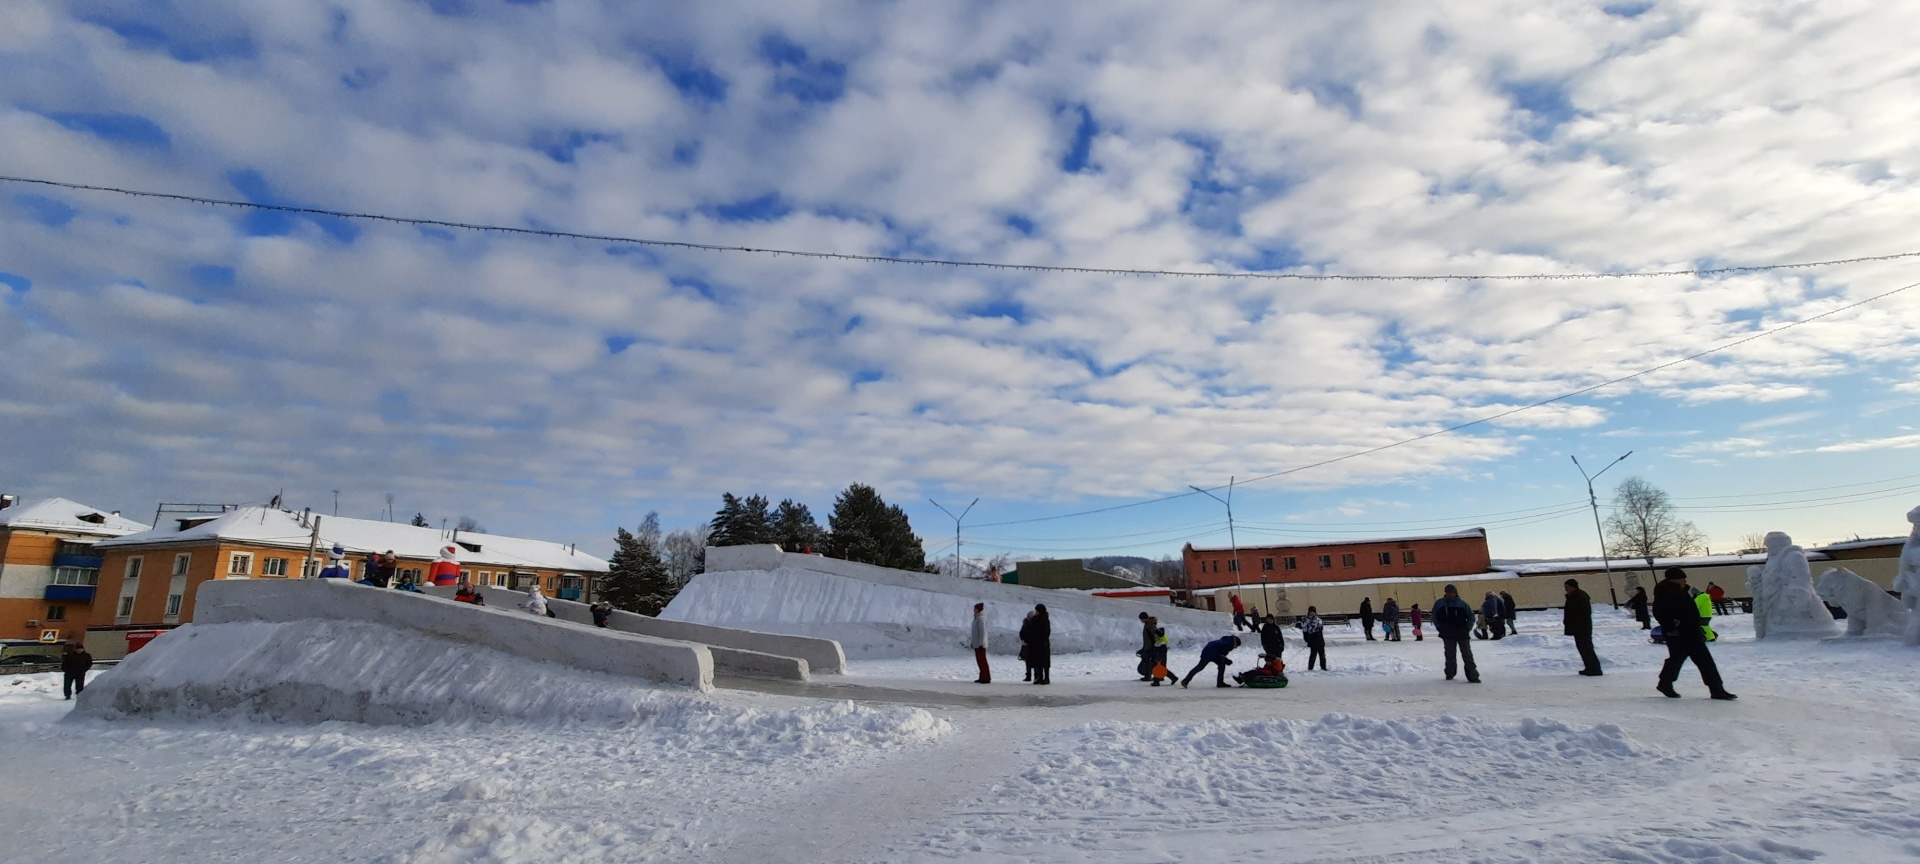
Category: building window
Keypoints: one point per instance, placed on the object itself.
(1289, 563)
(1233, 566)
(180, 563)
(240, 564)
(1348, 560)
(56, 613)
(75, 576)
(173, 605)
(1326, 562)
(1406, 557)
(126, 608)
(1386, 558)
(133, 567)
(1266, 563)
(273, 567)
(466, 576)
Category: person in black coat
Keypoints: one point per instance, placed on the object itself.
(1037, 635)
(1576, 618)
(1366, 616)
(1273, 642)
(1641, 608)
(1510, 612)
(1680, 621)
(74, 663)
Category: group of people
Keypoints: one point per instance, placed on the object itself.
(1389, 618)
(1683, 615)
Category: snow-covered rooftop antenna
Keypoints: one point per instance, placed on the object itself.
(956, 529)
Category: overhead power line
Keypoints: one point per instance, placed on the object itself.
(960, 262)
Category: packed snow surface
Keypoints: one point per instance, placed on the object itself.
(875, 620)
(1378, 761)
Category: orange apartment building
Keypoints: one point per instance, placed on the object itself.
(148, 580)
(48, 566)
(1434, 555)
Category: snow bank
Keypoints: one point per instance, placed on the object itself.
(319, 670)
(872, 619)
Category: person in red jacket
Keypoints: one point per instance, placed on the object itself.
(1239, 614)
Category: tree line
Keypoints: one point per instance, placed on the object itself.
(648, 568)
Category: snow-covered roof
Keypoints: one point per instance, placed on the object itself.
(1866, 544)
(273, 527)
(1469, 534)
(1583, 565)
(59, 514)
(1252, 587)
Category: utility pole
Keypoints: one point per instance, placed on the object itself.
(336, 502)
(1593, 501)
(956, 529)
(1233, 541)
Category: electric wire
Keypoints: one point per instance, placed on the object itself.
(959, 262)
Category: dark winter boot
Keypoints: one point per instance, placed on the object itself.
(1725, 696)
(1668, 691)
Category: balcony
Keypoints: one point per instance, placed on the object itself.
(570, 593)
(82, 562)
(70, 593)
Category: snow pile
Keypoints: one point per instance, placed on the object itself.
(873, 620)
(319, 670)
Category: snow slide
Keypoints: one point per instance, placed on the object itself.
(875, 612)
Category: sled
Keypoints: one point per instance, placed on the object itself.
(1264, 682)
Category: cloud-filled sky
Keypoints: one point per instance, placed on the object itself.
(164, 351)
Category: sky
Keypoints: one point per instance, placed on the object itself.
(155, 350)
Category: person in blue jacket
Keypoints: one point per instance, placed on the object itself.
(1453, 620)
(1215, 652)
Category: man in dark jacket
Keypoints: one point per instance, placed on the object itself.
(1366, 616)
(1273, 642)
(1577, 620)
(1215, 652)
(74, 662)
(1510, 612)
(1313, 632)
(1037, 634)
(1679, 617)
(1495, 615)
(1453, 621)
(1147, 623)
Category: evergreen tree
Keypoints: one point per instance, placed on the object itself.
(865, 528)
(420, 521)
(741, 521)
(636, 579)
(795, 530)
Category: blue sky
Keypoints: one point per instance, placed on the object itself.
(557, 388)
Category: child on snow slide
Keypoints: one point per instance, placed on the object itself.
(1270, 673)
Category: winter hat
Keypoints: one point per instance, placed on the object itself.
(1452, 590)
(1675, 573)
(979, 606)
(1144, 616)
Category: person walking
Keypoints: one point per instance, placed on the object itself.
(602, 612)
(1390, 620)
(1215, 652)
(74, 663)
(1641, 608)
(1147, 625)
(1704, 602)
(1313, 631)
(1273, 641)
(977, 640)
(1159, 657)
(1415, 615)
(1026, 654)
(1453, 622)
(1576, 619)
(1679, 619)
(1719, 596)
(1366, 616)
(1239, 614)
(1495, 616)
(1510, 612)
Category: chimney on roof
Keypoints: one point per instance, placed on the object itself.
(6, 501)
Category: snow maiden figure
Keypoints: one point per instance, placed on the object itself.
(446, 571)
(336, 564)
(1906, 580)
(1784, 602)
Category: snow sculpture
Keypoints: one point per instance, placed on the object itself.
(1906, 580)
(336, 564)
(446, 571)
(536, 602)
(1784, 602)
(1870, 611)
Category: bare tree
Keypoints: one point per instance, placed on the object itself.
(1751, 542)
(685, 553)
(470, 525)
(1644, 525)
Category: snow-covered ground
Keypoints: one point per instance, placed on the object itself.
(1378, 760)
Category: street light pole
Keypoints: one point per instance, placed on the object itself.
(1231, 539)
(956, 529)
(1593, 501)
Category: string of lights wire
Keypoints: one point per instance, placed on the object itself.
(958, 262)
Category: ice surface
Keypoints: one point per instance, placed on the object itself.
(1785, 604)
(875, 620)
(1870, 611)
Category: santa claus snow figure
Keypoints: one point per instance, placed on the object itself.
(336, 564)
(446, 571)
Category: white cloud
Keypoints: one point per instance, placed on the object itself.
(1897, 442)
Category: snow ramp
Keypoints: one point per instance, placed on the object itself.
(879, 612)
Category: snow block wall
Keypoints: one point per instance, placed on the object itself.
(877, 612)
(510, 631)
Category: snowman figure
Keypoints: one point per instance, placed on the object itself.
(446, 571)
(336, 564)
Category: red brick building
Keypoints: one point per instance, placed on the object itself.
(1433, 555)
